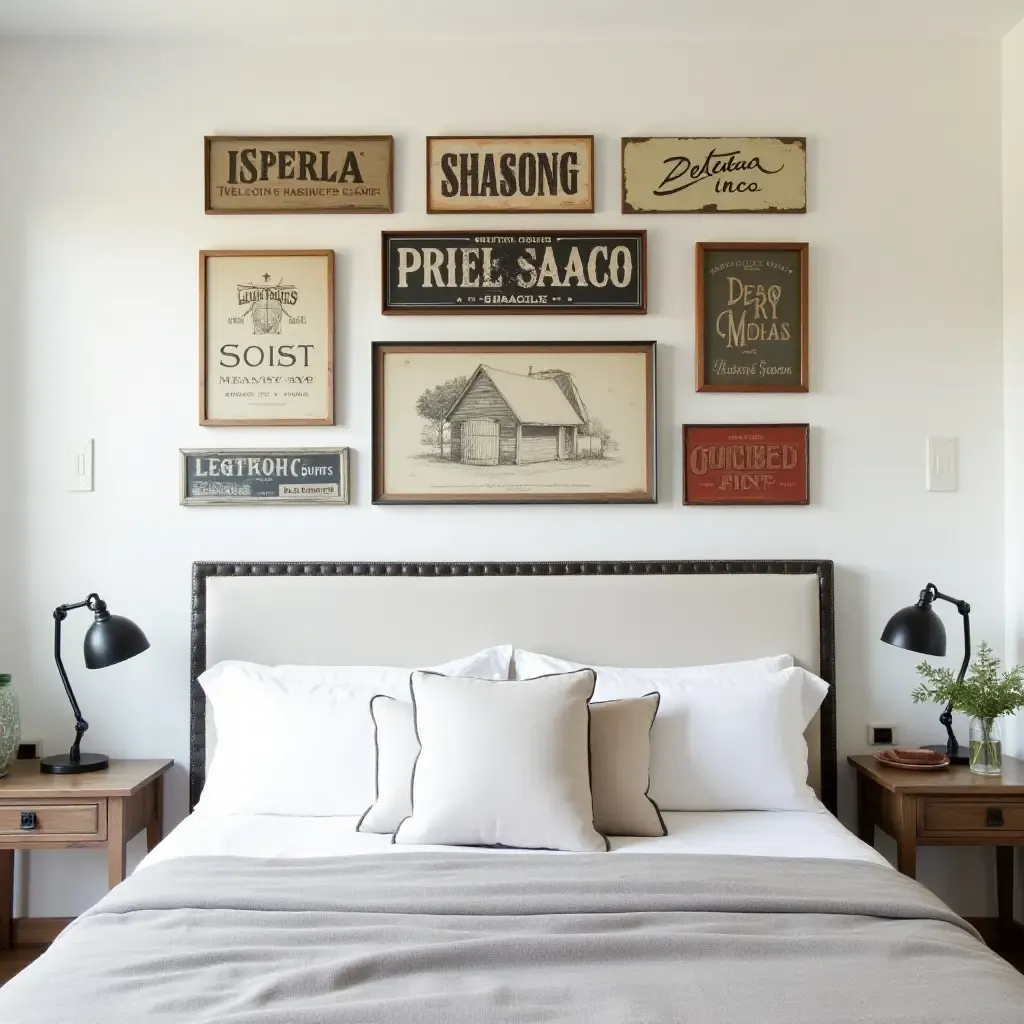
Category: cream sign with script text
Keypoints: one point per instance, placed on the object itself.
(706, 175)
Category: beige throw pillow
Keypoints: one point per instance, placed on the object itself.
(504, 765)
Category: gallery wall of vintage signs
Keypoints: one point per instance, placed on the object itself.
(499, 421)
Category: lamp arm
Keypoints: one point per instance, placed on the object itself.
(60, 613)
(946, 718)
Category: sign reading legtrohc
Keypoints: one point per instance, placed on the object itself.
(706, 175)
(510, 174)
(211, 476)
(745, 464)
(266, 350)
(292, 174)
(514, 272)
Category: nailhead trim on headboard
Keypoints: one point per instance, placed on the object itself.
(201, 571)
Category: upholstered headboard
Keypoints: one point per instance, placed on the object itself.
(605, 613)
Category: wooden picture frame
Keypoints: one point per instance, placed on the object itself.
(263, 476)
(752, 324)
(524, 422)
(746, 464)
(510, 174)
(514, 272)
(259, 174)
(248, 299)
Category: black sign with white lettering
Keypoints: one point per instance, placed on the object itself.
(514, 272)
(212, 476)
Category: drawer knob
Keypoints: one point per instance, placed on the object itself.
(29, 821)
(994, 817)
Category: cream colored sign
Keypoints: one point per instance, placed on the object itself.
(268, 338)
(319, 174)
(510, 174)
(714, 175)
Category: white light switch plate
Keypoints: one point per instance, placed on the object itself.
(941, 473)
(78, 465)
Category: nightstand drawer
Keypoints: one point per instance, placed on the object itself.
(942, 817)
(45, 822)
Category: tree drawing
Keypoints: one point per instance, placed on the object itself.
(435, 402)
(598, 441)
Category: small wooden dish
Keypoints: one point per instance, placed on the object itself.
(890, 758)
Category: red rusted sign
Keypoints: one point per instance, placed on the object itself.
(745, 464)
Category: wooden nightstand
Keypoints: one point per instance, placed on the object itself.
(95, 810)
(947, 807)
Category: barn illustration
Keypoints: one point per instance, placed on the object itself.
(514, 419)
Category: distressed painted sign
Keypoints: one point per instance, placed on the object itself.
(214, 476)
(752, 316)
(746, 464)
(714, 175)
(510, 174)
(514, 272)
(292, 174)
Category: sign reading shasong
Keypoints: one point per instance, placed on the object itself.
(510, 174)
(285, 174)
(514, 272)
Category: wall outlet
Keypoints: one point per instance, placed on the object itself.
(881, 735)
(29, 750)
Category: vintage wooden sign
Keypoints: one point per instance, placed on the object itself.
(746, 464)
(514, 272)
(707, 175)
(510, 174)
(299, 174)
(752, 332)
(213, 476)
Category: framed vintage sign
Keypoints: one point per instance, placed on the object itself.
(746, 464)
(710, 175)
(266, 337)
(513, 422)
(299, 174)
(752, 324)
(510, 174)
(258, 476)
(514, 272)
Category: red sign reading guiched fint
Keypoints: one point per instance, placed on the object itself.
(746, 464)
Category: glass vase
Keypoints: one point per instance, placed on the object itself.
(986, 746)
(10, 724)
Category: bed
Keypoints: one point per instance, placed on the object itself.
(731, 916)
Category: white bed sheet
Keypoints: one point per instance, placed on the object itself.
(751, 833)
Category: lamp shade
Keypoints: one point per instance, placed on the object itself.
(917, 628)
(112, 639)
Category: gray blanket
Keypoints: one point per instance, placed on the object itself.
(469, 939)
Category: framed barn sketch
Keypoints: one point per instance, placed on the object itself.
(752, 322)
(266, 337)
(513, 422)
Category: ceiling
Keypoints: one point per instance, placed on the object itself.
(754, 20)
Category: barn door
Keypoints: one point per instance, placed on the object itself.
(480, 442)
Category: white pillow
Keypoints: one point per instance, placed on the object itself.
(620, 766)
(298, 739)
(503, 765)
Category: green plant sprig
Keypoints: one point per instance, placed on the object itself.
(983, 692)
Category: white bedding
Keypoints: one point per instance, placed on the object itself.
(751, 833)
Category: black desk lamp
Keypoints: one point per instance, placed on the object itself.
(109, 640)
(919, 628)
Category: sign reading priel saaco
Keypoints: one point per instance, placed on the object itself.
(212, 476)
(328, 174)
(510, 174)
(705, 175)
(514, 272)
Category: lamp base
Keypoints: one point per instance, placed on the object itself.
(961, 756)
(61, 764)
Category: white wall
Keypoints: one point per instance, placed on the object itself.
(103, 194)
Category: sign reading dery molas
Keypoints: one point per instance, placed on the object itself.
(557, 272)
(333, 174)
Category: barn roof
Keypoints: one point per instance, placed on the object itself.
(534, 400)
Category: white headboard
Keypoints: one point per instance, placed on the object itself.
(610, 613)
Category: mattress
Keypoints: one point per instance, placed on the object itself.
(746, 833)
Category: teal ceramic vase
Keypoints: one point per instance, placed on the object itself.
(10, 724)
